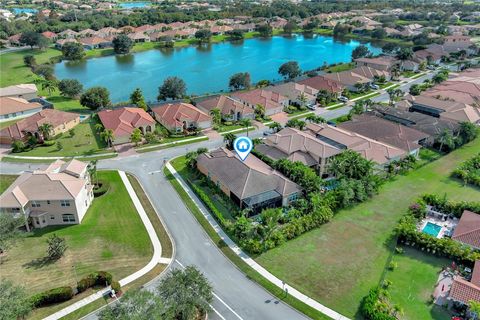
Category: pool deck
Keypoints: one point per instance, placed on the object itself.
(447, 226)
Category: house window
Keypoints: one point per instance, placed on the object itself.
(48, 201)
(292, 197)
(15, 210)
(52, 217)
(68, 218)
(35, 204)
(65, 203)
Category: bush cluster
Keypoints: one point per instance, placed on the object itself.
(100, 278)
(447, 206)
(469, 171)
(52, 296)
(376, 305)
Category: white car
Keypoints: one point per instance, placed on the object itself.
(311, 106)
(374, 86)
(343, 99)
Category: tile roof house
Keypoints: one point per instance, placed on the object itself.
(348, 79)
(25, 91)
(273, 102)
(297, 94)
(61, 122)
(14, 108)
(467, 230)
(60, 43)
(58, 195)
(49, 35)
(322, 83)
(432, 126)
(296, 145)
(382, 130)
(231, 109)
(123, 121)
(379, 152)
(251, 183)
(445, 109)
(463, 291)
(94, 42)
(384, 63)
(67, 34)
(178, 117)
(464, 87)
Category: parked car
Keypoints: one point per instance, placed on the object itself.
(343, 99)
(311, 106)
(332, 123)
(374, 86)
(430, 67)
(267, 133)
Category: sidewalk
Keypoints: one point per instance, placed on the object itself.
(156, 258)
(246, 258)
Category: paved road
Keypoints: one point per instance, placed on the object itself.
(236, 296)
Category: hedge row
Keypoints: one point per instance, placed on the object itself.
(102, 189)
(61, 294)
(448, 206)
(206, 200)
(52, 296)
(376, 305)
(100, 278)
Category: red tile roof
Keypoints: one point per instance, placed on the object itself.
(268, 99)
(124, 120)
(322, 83)
(464, 291)
(468, 229)
(173, 114)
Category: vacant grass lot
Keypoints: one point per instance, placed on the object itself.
(413, 282)
(84, 142)
(111, 237)
(339, 262)
(6, 181)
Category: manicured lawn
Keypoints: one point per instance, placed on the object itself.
(340, 67)
(6, 181)
(339, 262)
(13, 70)
(111, 237)
(225, 128)
(413, 282)
(85, 142)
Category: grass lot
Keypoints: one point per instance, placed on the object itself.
(6, 181)
(340, 67)
(85, 142)
(111, 237)
(413, 282)
(175, 143)
(225, 128)
(339, 262)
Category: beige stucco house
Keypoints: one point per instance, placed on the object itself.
(58, 195)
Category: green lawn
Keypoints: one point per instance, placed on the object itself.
(413, 282)
(225, 128)
(85, 142)
(339, 262)
(340, 67)
(6, 181)
(111, 237)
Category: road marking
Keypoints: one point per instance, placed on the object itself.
(219, 299)
(156, 171)
(218, 313)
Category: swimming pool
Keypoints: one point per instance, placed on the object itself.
(432, 229)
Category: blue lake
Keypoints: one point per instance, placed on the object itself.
(133, 5)
(205, 69)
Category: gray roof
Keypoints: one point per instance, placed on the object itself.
(246, 178)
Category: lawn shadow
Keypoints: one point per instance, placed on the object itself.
(38, 263)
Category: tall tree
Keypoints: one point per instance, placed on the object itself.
(135, 305)
(265, 30)
(203, 35)
(229, 138)
(45, 129)
(239, 80)
(173, 88)
(137, 99)
(56, 247)
(136, 136)
(186, 293)
(246, 122)
(445, 138)
(95, 98)
(122, 44)
(49, 85)
(73, 51)
(107, 136)
(361, 51)
(216, 116)
(70, 88)
(14, 302)
(290, 70)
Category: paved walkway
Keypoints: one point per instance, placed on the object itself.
(156, 258)
(246, 258)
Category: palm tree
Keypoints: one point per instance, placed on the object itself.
(246, 123)
(395, 71)
(216, 116)
(446, 138)
(92, 170)
(45, 129)
(275, 126)
(315, 119)
(229, 138)
(260, 110)
(50, 86)
(98, 127)
(107, 136)
(303, 99)
(136, 136)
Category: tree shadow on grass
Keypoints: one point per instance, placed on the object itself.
(38, 263)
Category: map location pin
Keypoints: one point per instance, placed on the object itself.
(243, 146)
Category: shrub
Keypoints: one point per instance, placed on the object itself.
(52, 296)
(392, 265)
(48, 143)
(116, 286)
(100, 278)
(85, 283)
(101, 188)
(373, 306)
